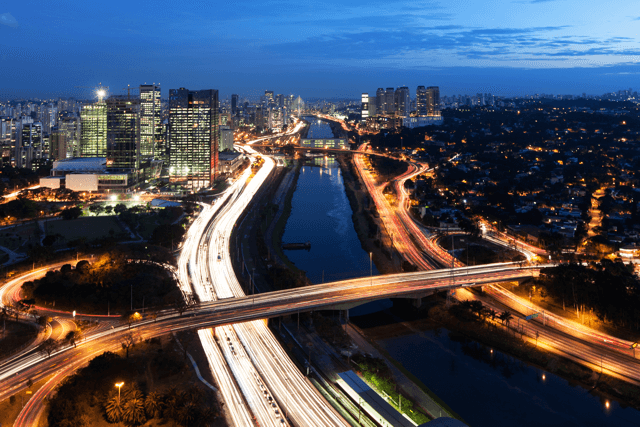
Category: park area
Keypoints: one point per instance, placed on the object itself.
(89, 228)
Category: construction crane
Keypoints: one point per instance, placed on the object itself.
(129, 89)
(100, 91)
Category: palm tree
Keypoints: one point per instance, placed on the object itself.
(152, 404)
(506, 317)
(173, 400)
(188, 413)
(133, 412)
(113, 409)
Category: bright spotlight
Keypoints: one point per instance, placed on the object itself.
(136, 198)
(113, 198)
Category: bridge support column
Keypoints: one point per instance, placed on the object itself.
(417, 302)
(344, 314)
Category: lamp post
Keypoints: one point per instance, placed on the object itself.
(371, 267)
(119, 385)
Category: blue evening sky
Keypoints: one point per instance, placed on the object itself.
(322, 48)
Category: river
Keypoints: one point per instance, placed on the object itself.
(321, 215)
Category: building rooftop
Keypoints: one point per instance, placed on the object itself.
(228, 156)
(81, 164)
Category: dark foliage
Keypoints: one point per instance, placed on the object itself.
(110, 280)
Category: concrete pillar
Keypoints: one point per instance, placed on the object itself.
(417, 302)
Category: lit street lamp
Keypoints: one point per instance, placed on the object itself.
(119, 385)
(371, 267)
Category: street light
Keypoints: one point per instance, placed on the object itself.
(371, 267)
(119, 385)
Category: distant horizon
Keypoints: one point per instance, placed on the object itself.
(85, 94)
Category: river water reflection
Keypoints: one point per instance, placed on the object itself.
(321, 215)
(489, 388)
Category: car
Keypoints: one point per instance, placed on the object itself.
(277, 413)
(219, 257)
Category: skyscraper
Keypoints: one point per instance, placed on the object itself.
(58, 145)
(123, 132)
(380, 101)
(389, 101)
(421, 101)
(268, 95)
(69, 124)
(93, 141)
(151, 137)
(234, 104)
(30, 146)
(433, 101)
(193, 136)
(364, 109)
(403, 101)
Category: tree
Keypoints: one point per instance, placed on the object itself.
(113, 409)
(108, 209)
(167, 234)
(188, 413)
(73, 337)
(43, 321)
(96, 209)
(119, 208)
(49, 346)
(128, 341)
(133, 411)
(506, 317)
(71, 213)
(152, 405)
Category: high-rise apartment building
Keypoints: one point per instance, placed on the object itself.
(226, 139)
(69, 124)
(93, 141)
(433, 101)
(403, 101)
(234, 104)
(58, 145)
(389, 101)
(30, 145)
(421, 101)
(380, 101)
(123, 132)
(152, 144)
(268, 95)
(193, 136)
(364, 108)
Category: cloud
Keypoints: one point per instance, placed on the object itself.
(453, 45)
(8, 20)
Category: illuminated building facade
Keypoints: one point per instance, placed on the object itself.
(123, 132)
(365, 106)
(193, 136)
(93, 141)
(151, 137)
(403, 101)
(30, 146)
(421, 101)
(433, 101)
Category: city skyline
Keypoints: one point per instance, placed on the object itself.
(329, 49)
